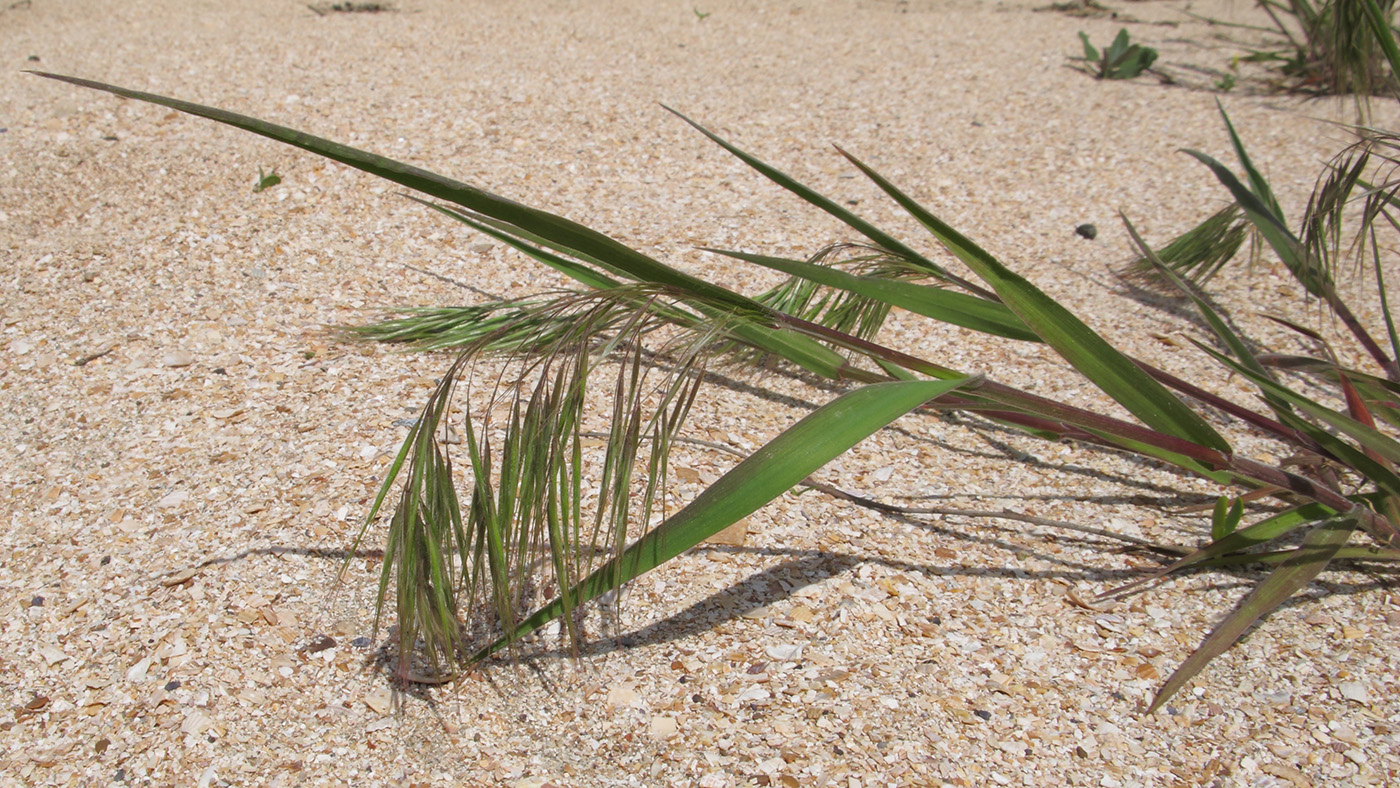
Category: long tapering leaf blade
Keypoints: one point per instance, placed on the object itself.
(776, 467)
(1282, 240)
(1085, 350)
(949, 306)
(1385, 36)
(1318, 548)
(875, 234)
(1258, 184)
(560, 232)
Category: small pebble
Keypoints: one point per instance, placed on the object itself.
(361, 642)
(320, 644)
(983, 713)
(37, 601)
(177, 358)
(380, 700)
(172, 685)
(1087, 231)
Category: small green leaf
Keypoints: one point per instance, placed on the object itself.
(1226, 517)
(1091, 54)
(266, 180)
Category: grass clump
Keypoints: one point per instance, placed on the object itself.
(557, 498)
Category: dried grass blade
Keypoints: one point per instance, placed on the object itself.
(1319, 547)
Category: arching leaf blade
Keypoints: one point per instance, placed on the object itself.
(1115, 374)
(938, 303)
(779, 465)
(1319, 547)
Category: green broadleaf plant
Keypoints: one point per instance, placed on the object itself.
(1121, 60)
(531, 545)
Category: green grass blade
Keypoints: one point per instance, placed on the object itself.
(1284, 243)
(875, 234)
(564, 233)
(1253, 535)
(576, 271)
(1386, 314)
(1318, 548)
(1258, 184)
(1385, 36)
(1363, 434)
(1227, 335)
(1085, 350)
(949, 306)
(772, 470)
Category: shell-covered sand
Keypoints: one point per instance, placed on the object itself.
(174, 510)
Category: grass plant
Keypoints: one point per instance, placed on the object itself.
(1327, 47)
(543, 517)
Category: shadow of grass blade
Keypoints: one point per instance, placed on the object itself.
(1306, 562)
(772, 470)
(1089, 353)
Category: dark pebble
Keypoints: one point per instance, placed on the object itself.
(361, 642)
(172, 685)
(1087, 231)
(320, 644)
(983, 713)
(37, 601)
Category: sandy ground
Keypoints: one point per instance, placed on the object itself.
(175, 509)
